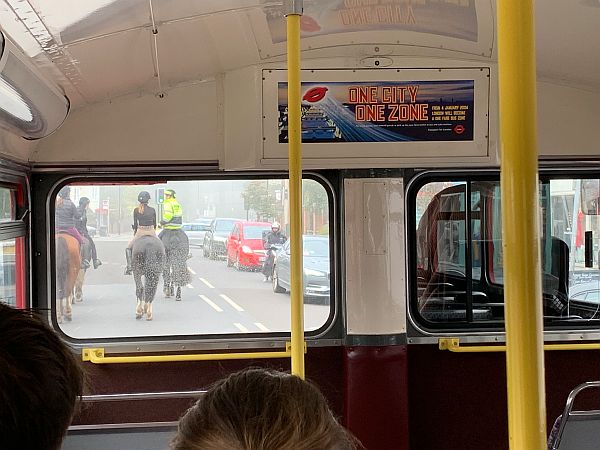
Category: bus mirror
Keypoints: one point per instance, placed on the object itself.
(590, 197)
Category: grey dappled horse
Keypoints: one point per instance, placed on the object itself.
(175, 273)
(148, 254)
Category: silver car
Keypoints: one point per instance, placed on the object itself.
(315, 263)
(196, 231)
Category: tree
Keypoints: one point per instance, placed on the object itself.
(259, 196)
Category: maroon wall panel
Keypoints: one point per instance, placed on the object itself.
(375, 394)
(457, 400)
(324, 366)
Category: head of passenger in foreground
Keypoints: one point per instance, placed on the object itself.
(40, 381)
(259, 409)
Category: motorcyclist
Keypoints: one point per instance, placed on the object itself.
(144, 224)
(272, 240)
(81, 226)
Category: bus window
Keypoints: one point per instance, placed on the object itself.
(449, 293)
(208, 281)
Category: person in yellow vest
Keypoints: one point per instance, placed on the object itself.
(176, 244)
(172, 216)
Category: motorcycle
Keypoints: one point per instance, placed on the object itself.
(267, 269)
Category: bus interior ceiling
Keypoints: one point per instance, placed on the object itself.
(401, 198)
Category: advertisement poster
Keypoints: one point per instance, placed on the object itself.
(395, 111)
(452, 18)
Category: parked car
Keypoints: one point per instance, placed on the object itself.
(245, 245)
(315, 263)
(215, 239)
(196, 232)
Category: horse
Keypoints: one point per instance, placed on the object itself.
(86, 253)
(148, 260)
(177, 248)
(68, 265)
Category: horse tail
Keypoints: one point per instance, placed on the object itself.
(62, 265)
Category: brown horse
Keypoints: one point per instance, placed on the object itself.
(68, 264)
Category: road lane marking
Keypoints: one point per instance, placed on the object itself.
(261, 327)
(233, 304)
(241, 327)
(211, 303)
(191, 271)
(207, 283)
(190, 286)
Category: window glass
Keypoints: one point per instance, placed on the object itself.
(448, 292)
(220, 280)
(7, 204)
(255, 232)
(8, 272)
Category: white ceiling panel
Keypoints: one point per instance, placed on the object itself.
(114, 65)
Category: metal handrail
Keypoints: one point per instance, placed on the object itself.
(98, 356)
(569, 406)
(140, 396)
(453, 345)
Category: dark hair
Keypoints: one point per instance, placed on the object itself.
(40, 381)
(64, 192)
(258, 409)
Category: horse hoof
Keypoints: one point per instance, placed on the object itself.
(69, 318)
(138, 316)
(177, 299)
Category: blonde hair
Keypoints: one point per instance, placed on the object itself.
(259, 409)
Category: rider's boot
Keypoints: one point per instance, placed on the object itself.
(139, 310)
(148, 308)
(129, 257)
(85, 264)
(97, 263)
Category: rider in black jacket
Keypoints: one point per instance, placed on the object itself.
(81, 225)
(273, 238)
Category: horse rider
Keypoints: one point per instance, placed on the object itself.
(144, 224)
(273, 238)
(172, 216)
(81, 226)
(65, 215)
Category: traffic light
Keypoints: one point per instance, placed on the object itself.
(160, 196)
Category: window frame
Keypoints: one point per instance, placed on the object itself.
(328, 334)
(546, 174)
(17, 230)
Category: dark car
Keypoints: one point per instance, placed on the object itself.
(315, 263)
(215, 239)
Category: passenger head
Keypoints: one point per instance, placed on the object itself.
(275, 226)
(40, 381)
(169, 193)
(84, 201)
(144, 197)
(65, 192)
(258, 409)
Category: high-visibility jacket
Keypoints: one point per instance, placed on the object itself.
(172, 217)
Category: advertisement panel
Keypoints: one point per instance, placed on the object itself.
(450, 18)
(382, 111)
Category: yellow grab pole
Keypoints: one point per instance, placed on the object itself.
(295, 170)
(522, 283)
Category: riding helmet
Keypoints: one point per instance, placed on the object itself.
(170, 192)
(84, 201)
(144, 197)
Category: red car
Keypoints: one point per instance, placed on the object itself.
(245, 245)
